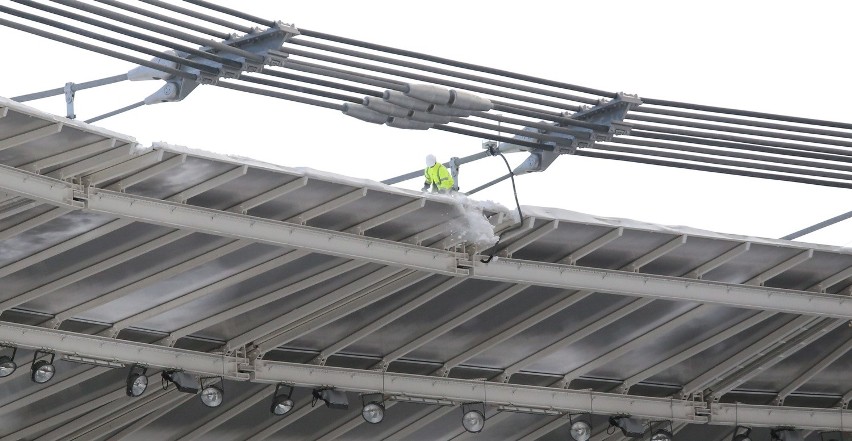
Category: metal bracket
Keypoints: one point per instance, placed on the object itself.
(69, 100)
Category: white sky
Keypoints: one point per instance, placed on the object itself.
(779, 57)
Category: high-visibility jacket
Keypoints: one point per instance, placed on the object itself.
(439, 176)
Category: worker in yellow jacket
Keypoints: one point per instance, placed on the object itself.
(437, 176)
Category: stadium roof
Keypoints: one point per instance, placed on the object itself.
(178, 259)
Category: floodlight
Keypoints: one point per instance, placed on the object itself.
(742, 433)
(137, 382)
(581, 426)
(7, 362)
(630, 427)
(663, 431)
(184, 381)
(785, 434)
(334, 399)
(473, 417)
(281, 402)
(212, 395)
(42, 370)
(374, 408)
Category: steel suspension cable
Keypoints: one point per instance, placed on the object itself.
(131, 33)
(749, 113)
(199, 15)
(109, 40)
(441, 71)
(98, 49)
(166, 19)
(454, 63)
(709, 168)
(616, 147)
(739, 121)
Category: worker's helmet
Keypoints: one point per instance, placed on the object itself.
(430, 160)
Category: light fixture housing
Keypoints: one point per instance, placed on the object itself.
(473, 417)
(629, 426)
(7, 362)
(183, 381)
(742, 433)
(661, 430)
(373, 410)
(333, 399)
(137, 381)
(213, 393)
(785, 434)
(42, 369)
(580, 426)
(281, 399)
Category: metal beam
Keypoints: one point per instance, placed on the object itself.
(637, 342)
(330, 300)
(774, 416)
(123, 351)
(662, 287)
(17, 206)
(129, 181)
(311, 324)
(62, 247)
(267, 196)
(78, 426)
(209, 184)
(788, 264)
(326, 207)
(561, 305)
(261, 301)
(529, 238)
(421, 422)
(32, 135)
(271, 232)
(726, 257)
(50, 389)
(513, 330)
(437, 230)
(140, 423)
(724, 332)
(656, 253)
(445, 327)
(397, 212)
(591, 326)
(169, 272)
(813, 371)
(386, 319)
(460, 390)
(73, 413)
(101, 160)
(436, 261)
(80, 152)
(805, 336)
(33, 222)
(593, 246)
(108, 418)
(821, 287)
(107, 174)
(754, 349)
(103, 265)
(244, 402)
(203, 291)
